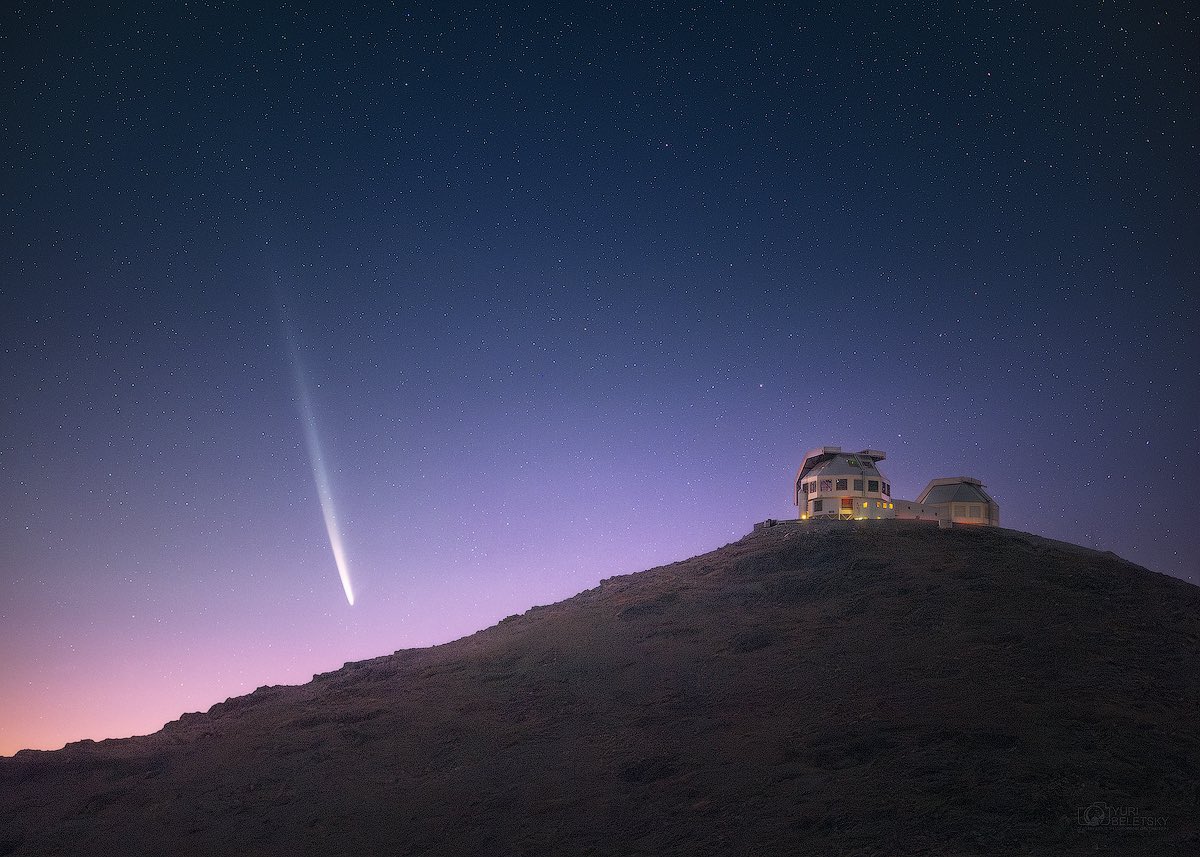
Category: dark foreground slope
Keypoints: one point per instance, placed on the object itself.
(875, 688)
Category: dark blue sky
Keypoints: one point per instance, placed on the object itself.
(575, 286)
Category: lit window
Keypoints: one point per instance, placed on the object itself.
(841, 485)
(858, 484)
(847, 503)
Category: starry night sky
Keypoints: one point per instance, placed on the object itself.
(573, 288)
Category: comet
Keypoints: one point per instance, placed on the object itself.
(312, 442)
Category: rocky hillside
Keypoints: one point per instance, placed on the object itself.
(872, 688)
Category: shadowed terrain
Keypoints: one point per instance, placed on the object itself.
(871, 688)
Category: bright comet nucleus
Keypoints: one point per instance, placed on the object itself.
(320, 475)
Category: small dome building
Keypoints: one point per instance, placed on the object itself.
(962, 500)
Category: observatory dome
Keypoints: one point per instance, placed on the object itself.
(962, 500)
(847, 485)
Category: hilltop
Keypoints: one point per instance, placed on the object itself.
(868, 688)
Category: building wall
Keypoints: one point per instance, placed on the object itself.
(958, 513)
(910, 511)
(876, 505)
(831, 491)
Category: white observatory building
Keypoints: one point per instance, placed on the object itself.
(850, 486)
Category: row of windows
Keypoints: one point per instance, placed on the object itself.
(848, 503)
(872, 486)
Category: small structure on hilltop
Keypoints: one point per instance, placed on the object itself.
(850, 486)
(960, 499)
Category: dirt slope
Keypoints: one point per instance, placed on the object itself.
(874, 688)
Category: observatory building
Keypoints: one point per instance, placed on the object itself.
(850, 486)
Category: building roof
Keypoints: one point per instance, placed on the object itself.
(844, 466)
(831, 461)
(957, 489)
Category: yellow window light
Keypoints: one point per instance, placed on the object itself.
(864, 505)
